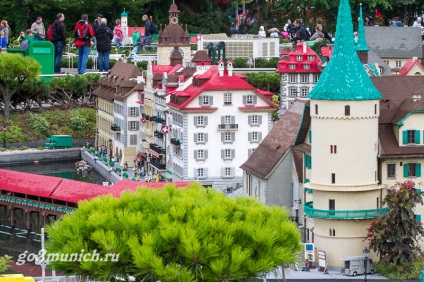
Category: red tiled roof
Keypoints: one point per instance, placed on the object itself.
(161, 68)
(283, 64)
(129, 185)
(215, 82)
(64, 189)
(408, 66)
(277, 143)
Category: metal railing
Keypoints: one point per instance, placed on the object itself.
(343, 214)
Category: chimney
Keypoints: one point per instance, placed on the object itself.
(164, 79)
(304, 47)
(221, 68)
(230, 68)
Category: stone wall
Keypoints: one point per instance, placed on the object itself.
(102, 168)
(28, 156)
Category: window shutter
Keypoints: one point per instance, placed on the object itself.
(249, 136)
(249, 119)
(259, 119)
(137, 112)
(222, 136)
(405, 137)
(223, 171)
(137, 125)
(310, 137)
(195, 121)
(418, 170)
(205, 120)
(205, 154)
(233, 119)
(205, 172)
(210, 100)
(129, 125)
(310, 162)
(233, 153)
(232, 171)
(233, 136)
(195, 173)
(259, 136)
(205, 137)
(255, 99)
(405, 170)
(195, 137)
(222, 119)
(223, 154)
(417, 137)
(418, 217)
(200, 101)
(244, 99)
(195, 155)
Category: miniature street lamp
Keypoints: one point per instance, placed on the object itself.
(366, 252)
(110, 150)
(4, 135)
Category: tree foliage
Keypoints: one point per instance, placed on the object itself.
(265, 81)
(14, 70)
(395, 236)
(188, 234)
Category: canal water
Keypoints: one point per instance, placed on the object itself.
(16, 241)
(63, 170)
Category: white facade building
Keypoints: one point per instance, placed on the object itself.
(218, 121)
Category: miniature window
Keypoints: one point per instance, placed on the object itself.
(347, 110)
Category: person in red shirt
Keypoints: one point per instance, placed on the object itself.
(83, 32)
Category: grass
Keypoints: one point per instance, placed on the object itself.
(18, 129)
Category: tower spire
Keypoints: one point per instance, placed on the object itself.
(362, 42)
(344, 78)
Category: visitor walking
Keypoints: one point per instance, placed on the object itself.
(83, 31)
(104, 40)
(147, 34)
(59, 41)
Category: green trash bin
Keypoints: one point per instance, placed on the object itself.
(23, 52)
(43, 53)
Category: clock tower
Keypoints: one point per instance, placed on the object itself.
(173, 35)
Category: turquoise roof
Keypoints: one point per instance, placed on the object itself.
(124, 14)
(344, 78)
(361, 45)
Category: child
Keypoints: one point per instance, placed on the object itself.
(26, 40)
(3, 41)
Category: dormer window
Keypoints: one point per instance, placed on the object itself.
(311, 58)
(299, 58)
(307, 67)
(292, 66)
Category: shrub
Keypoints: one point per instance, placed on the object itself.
(240, 63)
(2, 149)
(40, 148)
(410, 271)
(12, 148)
(77, 121)
(38, 123)
(23, 148)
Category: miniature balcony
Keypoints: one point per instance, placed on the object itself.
(115, 127)
(343, 214)
(175, 141)
(227, 126)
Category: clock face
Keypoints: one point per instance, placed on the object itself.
(179, 49)
(174, 20)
